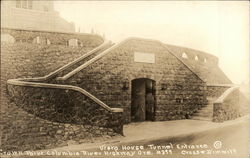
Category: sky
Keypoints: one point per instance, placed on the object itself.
(219, 28)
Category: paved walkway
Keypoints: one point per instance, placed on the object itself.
(145, 132)
(231, 133)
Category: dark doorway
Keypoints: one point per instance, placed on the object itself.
(143, 99)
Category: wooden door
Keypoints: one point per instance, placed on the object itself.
(138, 111)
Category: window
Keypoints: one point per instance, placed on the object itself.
(196, 58)
(48, 41)
(205, 60)
(36, 40)
(184, 55)
(25, 4)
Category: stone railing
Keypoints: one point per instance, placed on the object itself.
(216, 90)
(227, 107)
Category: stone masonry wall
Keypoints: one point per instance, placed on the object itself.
(55, 38)
(21, 130)
(63, 106)
(33, 60)
(216, 91)
(229, 109)
(179, 92)
(203, 64)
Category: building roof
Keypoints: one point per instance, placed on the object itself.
(203, 64)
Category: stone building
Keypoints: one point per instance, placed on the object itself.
(83, 92)
(33, 15)
(58, 85)
(150, 80)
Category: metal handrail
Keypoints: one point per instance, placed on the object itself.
(221, 85)
(26, 82)
(33, 82)
(70, 74)
(46, 77)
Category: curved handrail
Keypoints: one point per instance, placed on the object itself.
(46, 77)
(73, 72)
(225, 94)
(70, 74)
(222, 85)
(26, 82)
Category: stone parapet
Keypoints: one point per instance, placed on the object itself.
(215, 91)
(55, 38)
(227, 107)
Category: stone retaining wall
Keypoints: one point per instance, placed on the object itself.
(33, 60)
(63, 106)
(55, 38)
(229, 109)
(22, 130)
(203, 64)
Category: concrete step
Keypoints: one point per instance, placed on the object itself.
(205, 110)
(207, 107)
(203, 114)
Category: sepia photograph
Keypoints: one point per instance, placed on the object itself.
(121, 79)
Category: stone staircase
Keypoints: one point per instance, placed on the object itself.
(206, 112)
(78, 62)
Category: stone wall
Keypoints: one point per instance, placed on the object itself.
(179, 92)
(216, 91)
(21, 131)
(26, 130)
(228, 108)
(55, 38)
(33, 60)
(63, 106)
(203, 64)
(191, 54)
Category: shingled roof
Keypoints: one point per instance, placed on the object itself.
(203, 64)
